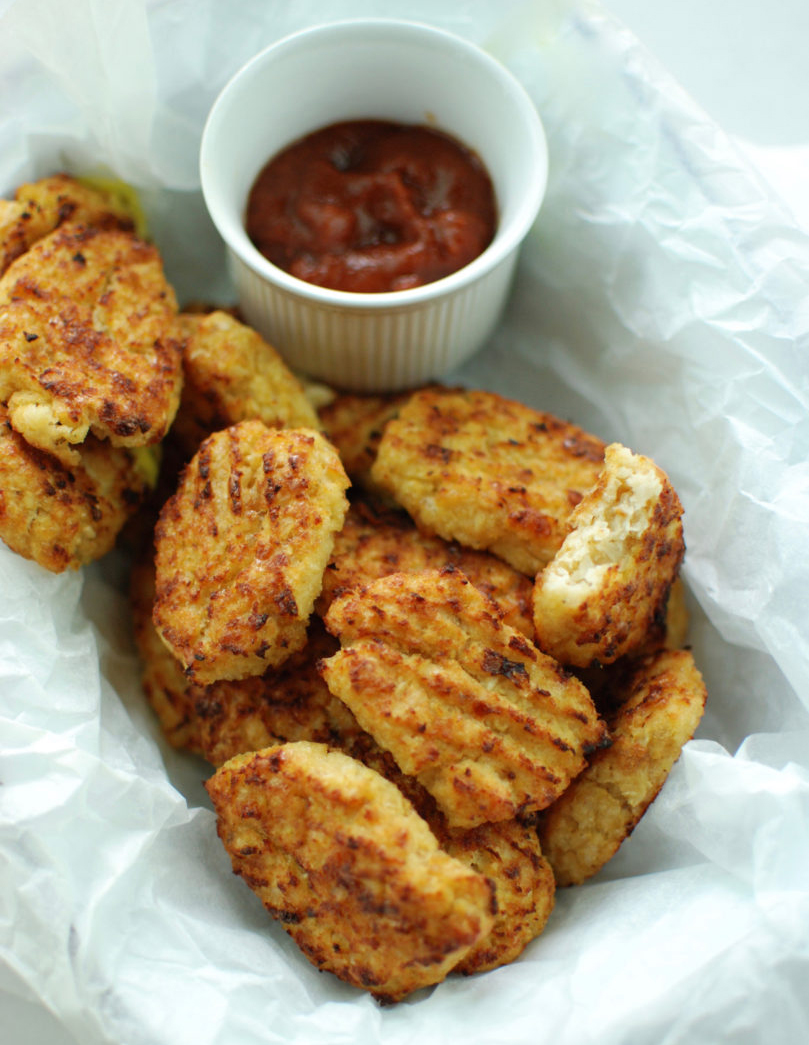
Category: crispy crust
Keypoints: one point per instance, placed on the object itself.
(63, 516)
(88, 342)
(232, 374)
(374, 543)
(490, 726)
(488, 472)
(344, 862)
(664, 701)
(40, 207)
(241, 549)
(600, 597)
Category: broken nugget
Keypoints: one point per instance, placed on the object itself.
(487, 472)
(663, 703)
(241, 547)
(343, 861)
(600, 596)
(488, 724)
(88, 342)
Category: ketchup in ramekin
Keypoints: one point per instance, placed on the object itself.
(372, 206)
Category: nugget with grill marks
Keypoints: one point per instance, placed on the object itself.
(241, 548)
(41, 206)
(374, 543)
(89, 342)
(232, 374)
(490, 726)
(664, 702)
(64, 516)
(605, 588)
(487, 472)
(344, 862)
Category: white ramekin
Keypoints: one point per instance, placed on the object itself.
(379, 69)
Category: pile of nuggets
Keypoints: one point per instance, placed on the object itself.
(427, 706)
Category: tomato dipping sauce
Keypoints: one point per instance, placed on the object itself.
(372, 206)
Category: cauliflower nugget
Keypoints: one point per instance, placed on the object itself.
(241, 548)
(605, 588)
(664, 702)
(40, 207)
(487, 472)
(63, 516)
(490, 726)
(232, 374)
(229, 717)
(343, 861)
(88, 342)
(374, 543)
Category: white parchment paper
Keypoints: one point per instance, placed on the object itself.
(663, 300)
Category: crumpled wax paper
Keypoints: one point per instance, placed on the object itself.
(662, 300)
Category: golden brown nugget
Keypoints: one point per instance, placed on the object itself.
(241, 548)
(88, 342)
(232, 374)
(487, 472)
(64, 516)
(230, 717)
(665, 699)
(490, 726)
(41, 206)
(343, 861)
(376, 542)
(600, 596)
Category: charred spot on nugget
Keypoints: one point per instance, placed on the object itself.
(241, 548)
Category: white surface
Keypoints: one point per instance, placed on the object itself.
(745, 67)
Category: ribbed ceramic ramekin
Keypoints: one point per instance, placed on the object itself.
(389, 70)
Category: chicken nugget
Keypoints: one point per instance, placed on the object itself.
(40, 207)
(64, 516)
(232, 374)
(375, 542)
(599, 598)
(241, 548)
(487, 472)
(88, 342)
(490, 726)
(343, 861)
(664, 702)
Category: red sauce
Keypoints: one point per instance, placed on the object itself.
(372, 206)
